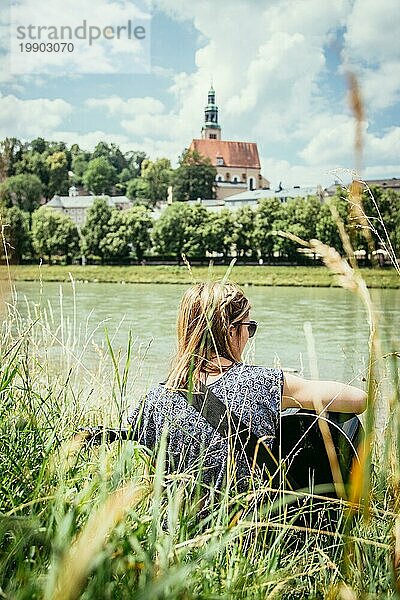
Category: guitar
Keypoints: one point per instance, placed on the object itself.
(300, 445)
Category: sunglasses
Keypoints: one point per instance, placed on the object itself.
(251, 325)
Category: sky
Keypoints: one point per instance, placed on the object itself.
(278, 68)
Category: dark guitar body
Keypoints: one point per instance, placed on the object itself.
(300, 444)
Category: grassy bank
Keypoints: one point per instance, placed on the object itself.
(105, 522)
(244, 275)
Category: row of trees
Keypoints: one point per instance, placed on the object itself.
(40, 169)
(111, 235)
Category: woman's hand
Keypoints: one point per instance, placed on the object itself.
(319, 395)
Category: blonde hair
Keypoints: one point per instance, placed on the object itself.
(205, 314)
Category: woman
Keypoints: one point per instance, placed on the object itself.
(213, 328)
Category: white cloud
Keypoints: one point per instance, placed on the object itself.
(155, 148)
(373, 31)
(31, 118)
(88, 140)
(384, 148)
(373, 52)
(115, 105)
(333, 144)
(265, 59)
(141, 117)
(378, 172)
(296, 174)
(268, 61)
(332, 141)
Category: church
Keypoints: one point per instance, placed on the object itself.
(237, 163)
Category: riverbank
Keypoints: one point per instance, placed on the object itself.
(243, 275)
(82, 521)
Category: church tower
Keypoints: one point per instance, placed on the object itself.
(211, 130)
(237, 163)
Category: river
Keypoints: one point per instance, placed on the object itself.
(337, 317)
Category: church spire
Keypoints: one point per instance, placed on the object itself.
(211, 130)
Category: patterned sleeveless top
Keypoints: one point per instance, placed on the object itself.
(253, 393)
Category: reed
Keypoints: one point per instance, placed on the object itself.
(107, 522)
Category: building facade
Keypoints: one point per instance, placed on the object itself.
(385, 184)
(237, 163)
(76, 206)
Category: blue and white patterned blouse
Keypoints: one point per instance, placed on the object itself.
(253, 393)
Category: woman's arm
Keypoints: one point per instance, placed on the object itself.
(316, 395)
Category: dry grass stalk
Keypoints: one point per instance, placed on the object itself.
(77, 562)
(351, 279)
(323, 425)
(357, 107)
(396, 553)
(346, 593)
(355, 190)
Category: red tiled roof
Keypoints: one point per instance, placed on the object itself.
(235, 154)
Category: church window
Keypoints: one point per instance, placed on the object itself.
(219, 178)
(213, 136)
(228, 177)
(243, 176)
(251, 183)
(235, 179)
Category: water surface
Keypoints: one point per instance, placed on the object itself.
(337, 317)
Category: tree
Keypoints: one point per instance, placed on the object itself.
(244, 236)
(299, 217)
(221, 230)
(39, 145)
(138, 223)
(58, 173)
(123, 179)
(157, 177)
(100, 176)
(135, 160)
(137, 189)
(68, 238)
(16, 233)
(115, 244)
(24, 191)
(197, 227)
(382, 207)
(170, 231)
(54, 233)
(128, 231)
(182, 229)
(304, 212)
(96, 227)
(268, 212)
(194, 178)
(326, 228)
(11, 151)
(80, 161)
(113, 155)
(35, 164)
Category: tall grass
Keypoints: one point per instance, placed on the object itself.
(108, 522)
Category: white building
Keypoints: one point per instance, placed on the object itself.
(76, 206)
(252, 197)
